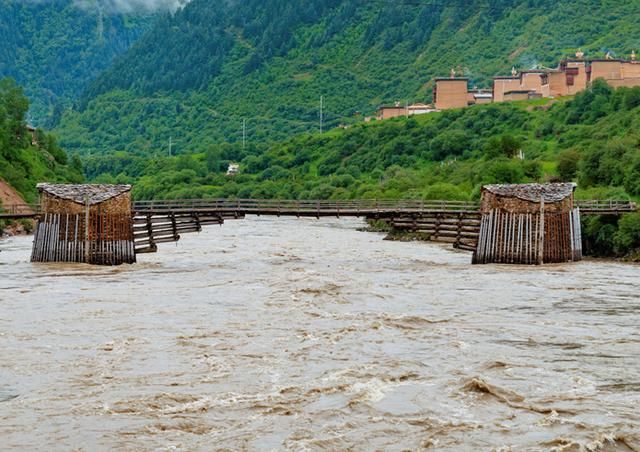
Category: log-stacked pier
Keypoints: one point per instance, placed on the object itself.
(459, 228)
(84, 223)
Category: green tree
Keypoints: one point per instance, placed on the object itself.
(13, 108)
(450, 143)
(568, 164)
(627, 237)
(502, 146)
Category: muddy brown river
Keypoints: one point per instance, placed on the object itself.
(272, 334)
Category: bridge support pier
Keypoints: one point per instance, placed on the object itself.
(96, 238)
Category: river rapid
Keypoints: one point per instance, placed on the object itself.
(310, 335)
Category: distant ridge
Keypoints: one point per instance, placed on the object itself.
(197, 75)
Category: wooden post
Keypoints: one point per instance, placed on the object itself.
(541, 231)
(86, 229)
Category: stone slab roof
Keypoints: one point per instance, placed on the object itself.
(533, 192)
(97, 193)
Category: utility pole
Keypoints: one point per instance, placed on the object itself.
(321, 113)
(244, 133)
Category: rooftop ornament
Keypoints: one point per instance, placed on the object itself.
(453, 73)
(514, 72)
(579, 54)
(633, 55)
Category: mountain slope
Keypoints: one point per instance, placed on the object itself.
(197, 75)
(55, 48)
(26, 160)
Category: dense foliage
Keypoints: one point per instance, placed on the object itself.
(23, 164)
(55, 49)
(199, 73)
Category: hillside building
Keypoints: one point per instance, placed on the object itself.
(451, 92)
(479, 96)
(617, 73)
(569, 78)
(397, 110)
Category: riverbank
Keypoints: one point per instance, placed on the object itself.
(10, 197)
(608, 241)
(16, 228)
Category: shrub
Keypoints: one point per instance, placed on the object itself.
(632, 178)
(628, 236)
(532, 169)
(445, 191)
(568, 165)
(597, 235)
(503, 146)
(505, 171)
(450, 144)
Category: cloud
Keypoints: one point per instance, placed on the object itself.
(127, 6)
(124, 6)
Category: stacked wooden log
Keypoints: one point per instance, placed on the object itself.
(152, 229)
(459, 228)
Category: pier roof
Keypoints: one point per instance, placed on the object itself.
(97, 193)
(533, 192)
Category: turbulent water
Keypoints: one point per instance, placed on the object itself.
(304, 334)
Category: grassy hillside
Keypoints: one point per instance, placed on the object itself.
(55, 48)
(23, 164)
(198, 74)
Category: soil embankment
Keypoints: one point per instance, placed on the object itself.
(10, 197)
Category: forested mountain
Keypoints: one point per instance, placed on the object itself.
(55, 48)
(26, 160)
(199, 73)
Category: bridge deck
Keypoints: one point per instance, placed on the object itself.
(318, 208)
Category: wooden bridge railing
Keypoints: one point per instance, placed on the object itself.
(19, 210)
(276, 205)
(345, 207)
(588, 207)
(595, 206)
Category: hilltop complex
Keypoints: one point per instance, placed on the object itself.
(569, 78)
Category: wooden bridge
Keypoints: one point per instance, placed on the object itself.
(315, 208)
(456, 222)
